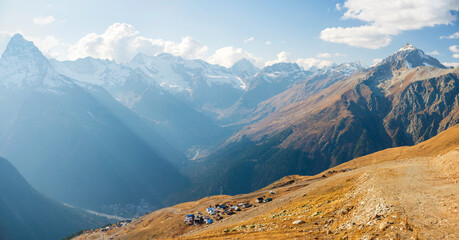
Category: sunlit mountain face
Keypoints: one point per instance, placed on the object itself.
(107, 119)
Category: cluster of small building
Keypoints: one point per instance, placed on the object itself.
(116, 225)
(216, 212)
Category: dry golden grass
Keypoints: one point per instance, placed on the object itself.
(386, 196)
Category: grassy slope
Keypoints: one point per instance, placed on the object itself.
(378, 199)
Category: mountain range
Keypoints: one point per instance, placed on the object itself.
(319, 123)
(129, 138)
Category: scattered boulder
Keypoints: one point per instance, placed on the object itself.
(383, 226)
(298, 222)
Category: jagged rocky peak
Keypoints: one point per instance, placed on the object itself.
(20, 51)
(407, 47)
(410, 57)
(243, 64)
(138, 58)
(282, 67)
(244, 68)
(23, 65)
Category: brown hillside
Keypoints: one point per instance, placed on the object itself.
(398, 193)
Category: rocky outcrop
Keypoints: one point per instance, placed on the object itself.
(424, 109)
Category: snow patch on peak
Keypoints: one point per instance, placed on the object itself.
(407, 47)
(23, 66)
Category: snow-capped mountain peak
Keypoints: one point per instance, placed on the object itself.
(347, 69)
(282, 67)
(23, 65)
(243, 64)
(244, 68)
(410, 57)
(20, 52)
(407, 47)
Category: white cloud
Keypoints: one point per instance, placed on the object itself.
(48, 45)
(43, 20)
(120, 42)
(338, 7)
(451, 64)
(268, 43)
(452, 36)
(4, 38)
(281, 57)
(376, 61)
(324, 55)
(454, 48)
(386, 19)
(227, 56)
(250, 39)
(329, 55)
(306, 63)
(433, 53)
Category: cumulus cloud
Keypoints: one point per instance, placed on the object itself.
(306, 63)
(43, 20)
(433, 53)
(227, 56)
(268, 43)
(48, 45)
(455, 50)
(250, 39)
(329, 55)
(451, 64)
(281, 57)
(324, 55)
(338, 7)
(386, 19)
(376, 61)
(452, 36)
(4, 38)
(120, 42)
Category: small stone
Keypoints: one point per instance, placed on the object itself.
(298, 222)
(383, 226)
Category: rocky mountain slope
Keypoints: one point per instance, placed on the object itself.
(26, 214)
(401, 101)
(258, 100)
(398, 193)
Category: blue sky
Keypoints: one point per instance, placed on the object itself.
(311, 33)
